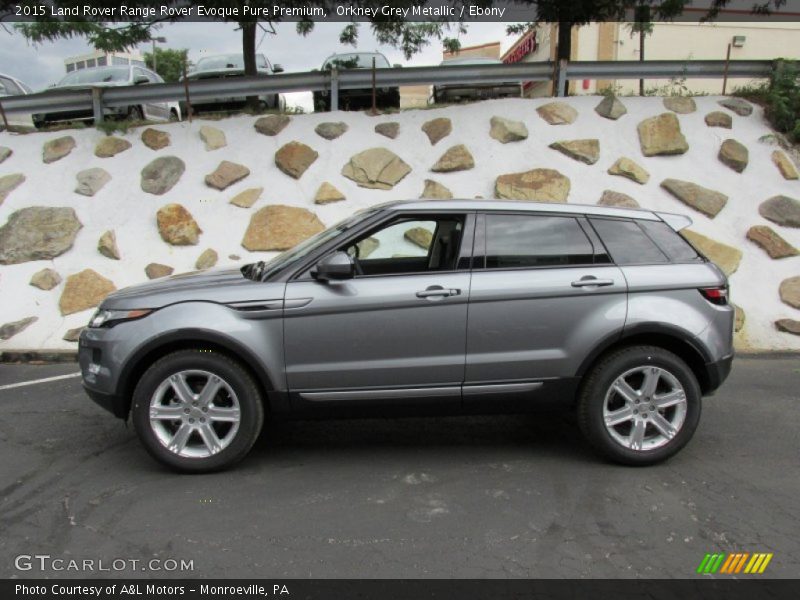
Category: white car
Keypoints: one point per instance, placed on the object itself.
(113, 76)
(11, 86)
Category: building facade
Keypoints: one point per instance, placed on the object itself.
(98, 58)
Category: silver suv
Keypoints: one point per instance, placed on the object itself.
(426, 306)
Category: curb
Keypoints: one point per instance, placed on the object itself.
(38, 356)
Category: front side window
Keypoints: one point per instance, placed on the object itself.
(409, 245)
(519, 241)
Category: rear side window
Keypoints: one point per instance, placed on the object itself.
(627, 243)
(670, 241)
(514, 241)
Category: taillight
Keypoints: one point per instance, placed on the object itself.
(715, 295)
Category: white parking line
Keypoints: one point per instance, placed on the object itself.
(35, 381)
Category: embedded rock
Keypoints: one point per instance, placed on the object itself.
(226, 174)
(506, 130)
(610, 107)
(156, 270)
(457, 158)
(160, 175)
(234, 257)
(771, 242)
(331, 131)
(46, 279)
(155, 139)
(271, 124)
(790, 291)
(294, 158)
(683, 105)
(625, 167)
(389, 130)
(73, 335)
(376, 168)
(367, 246)
(8, 183)
(782, 210)
(91, 181)
(5, 153)
(37, 233)
(788, 326)
(737, 105)
(734, 155)
(419, 236)
(718, 118)
(9, 330)
(435, 191)
(213, 138)
(785, 165)
(739, 318)
(662, 135)
(327, 193)
(280, 227)
(247, 198)
(207, 259)
(557, 113)
(110, 146)
(539, 185)
(725, 257)
(612, 198)
(177, 226)
(708, 202)
(57, 149)
(436, 129)
(84, 290)
(585, 151)
(107, 245)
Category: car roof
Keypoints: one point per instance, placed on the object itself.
(676, 221)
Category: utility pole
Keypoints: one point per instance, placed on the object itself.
(160, 40)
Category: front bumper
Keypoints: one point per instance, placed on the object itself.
(100, 380)
(716, 374)
(116, 405)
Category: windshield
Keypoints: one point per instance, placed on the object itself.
(227, 61)
(98, 75)
(356, 61)
(263, 270)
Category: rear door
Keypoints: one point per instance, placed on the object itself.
(543, 295)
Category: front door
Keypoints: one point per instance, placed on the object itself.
(397, 330)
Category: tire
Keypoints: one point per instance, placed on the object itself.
(135, 113)
(219, 441)
(173, 116)
(626, 419)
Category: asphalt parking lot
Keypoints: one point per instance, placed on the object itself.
(476, 497)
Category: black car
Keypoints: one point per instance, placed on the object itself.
(385, 97)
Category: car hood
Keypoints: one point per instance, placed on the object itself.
(88, 86)
(222, 286)
(212, 73)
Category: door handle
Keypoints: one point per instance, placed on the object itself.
(438, 291)
(592, 282)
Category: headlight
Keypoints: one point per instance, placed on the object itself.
(109, 318)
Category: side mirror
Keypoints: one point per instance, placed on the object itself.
(140, 79)
(334, 266)
(277, 68)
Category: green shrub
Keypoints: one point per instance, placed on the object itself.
(783, 100)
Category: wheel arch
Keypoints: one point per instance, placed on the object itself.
(675, 340)
(174, 341)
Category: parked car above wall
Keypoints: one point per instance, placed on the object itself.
(223, 66)
(113, 76)
(11, 86)
(385, 97)
(458, 92)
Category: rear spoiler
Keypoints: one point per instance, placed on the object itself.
(677, 222)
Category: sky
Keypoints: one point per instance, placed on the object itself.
(42, 65)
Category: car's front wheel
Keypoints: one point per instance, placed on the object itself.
(197, 411)
(639, 405)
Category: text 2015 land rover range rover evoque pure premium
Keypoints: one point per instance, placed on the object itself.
(415, 307)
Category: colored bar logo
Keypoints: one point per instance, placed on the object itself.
(734, 563)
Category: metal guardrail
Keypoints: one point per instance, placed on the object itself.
(94, 100)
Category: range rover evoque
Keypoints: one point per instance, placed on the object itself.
(420, 307)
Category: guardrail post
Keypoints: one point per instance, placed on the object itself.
(562, 77)
(97, 105)
(3, 115)
(334, 89)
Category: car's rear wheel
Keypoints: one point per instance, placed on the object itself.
(197, 411)
(135, 113)
(639, 405)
